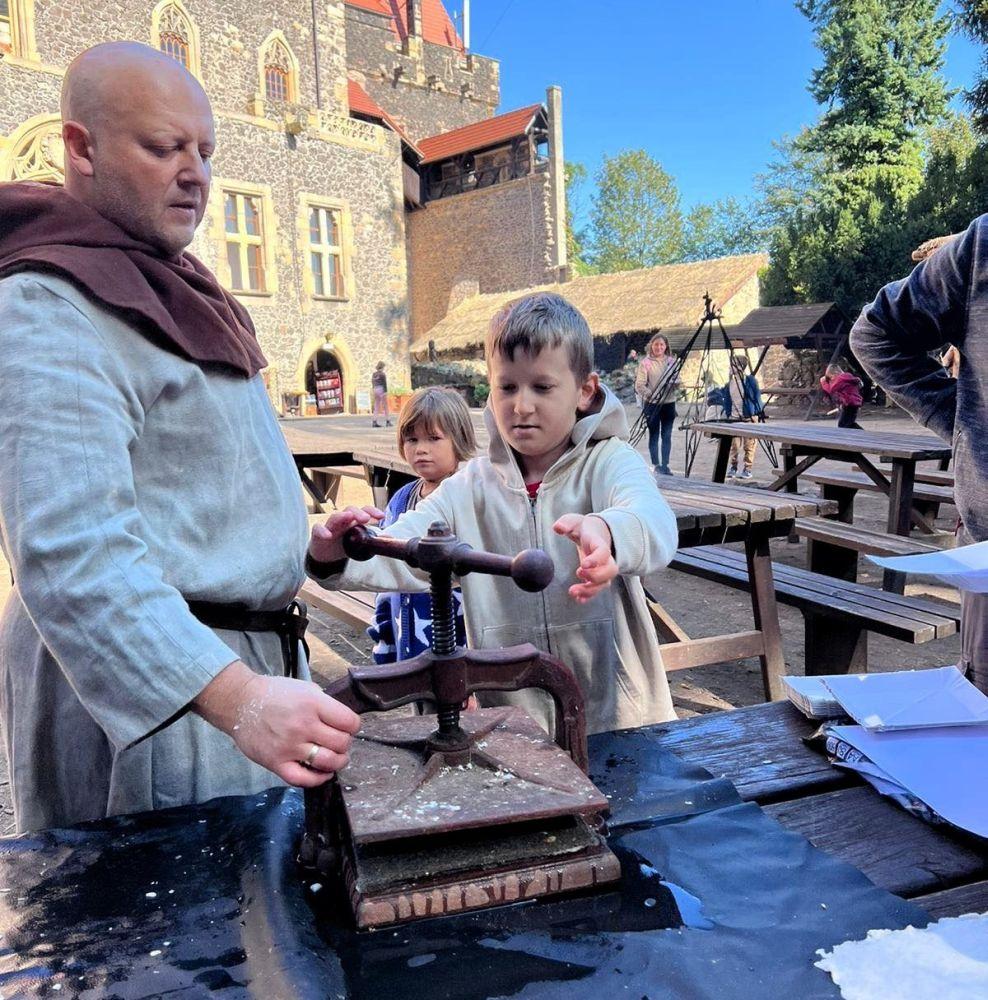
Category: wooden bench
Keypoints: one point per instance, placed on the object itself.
(324, 482)
(354, 608)
(843, 486)
(833, 546)
(838, 615)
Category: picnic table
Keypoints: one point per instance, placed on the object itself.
(804, 445)
(208, 897)
(706, 514)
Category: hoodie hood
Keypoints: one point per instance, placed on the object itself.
(604, 420)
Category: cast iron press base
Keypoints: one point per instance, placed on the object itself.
(482, 809)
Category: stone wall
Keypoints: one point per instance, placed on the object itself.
(429, 89)
(352, 164)
(229, 43)
(499, 237)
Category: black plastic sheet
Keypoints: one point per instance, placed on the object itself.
(716, 900)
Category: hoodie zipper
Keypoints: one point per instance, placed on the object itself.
(532, 501)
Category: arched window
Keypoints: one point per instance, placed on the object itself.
(17, 28)
(33, 152)
(173, 31)
(279, 69)
(5, 38)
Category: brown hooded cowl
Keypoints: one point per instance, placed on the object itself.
(176, 303)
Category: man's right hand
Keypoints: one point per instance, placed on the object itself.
(276, 722)
(326, 543)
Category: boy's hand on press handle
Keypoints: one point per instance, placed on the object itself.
(326, 541)
(597, 565)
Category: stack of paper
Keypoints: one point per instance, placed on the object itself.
(965, 568)
(922, 739)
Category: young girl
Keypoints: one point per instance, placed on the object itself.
(435, 434)
(844, 389)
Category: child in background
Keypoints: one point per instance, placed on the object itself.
(561, 476)
(435, 434)
(844, 389)
(743, 397)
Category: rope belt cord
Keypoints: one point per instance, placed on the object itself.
(290, 625)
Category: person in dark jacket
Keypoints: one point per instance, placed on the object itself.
(943, 301)
(844, 391)
(743, 395)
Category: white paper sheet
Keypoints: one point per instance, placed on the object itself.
(943, 767)
(947, 960)
(965, 568)
(905, 699)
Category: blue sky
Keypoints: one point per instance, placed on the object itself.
(703, 85)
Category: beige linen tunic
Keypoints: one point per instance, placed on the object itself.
(131, 480)
(609, 642)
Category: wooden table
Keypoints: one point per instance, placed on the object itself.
(760, 750)
(706, 514)
(803, 445)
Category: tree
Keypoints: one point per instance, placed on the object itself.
(720, 229)
(636, 220)
(973, 18)
(841, 227)
(576, 238)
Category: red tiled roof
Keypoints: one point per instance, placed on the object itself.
(437, 26)
(362, 103)
(489, 132)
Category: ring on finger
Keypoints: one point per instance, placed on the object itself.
(310, 757)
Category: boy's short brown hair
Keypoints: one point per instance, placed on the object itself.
(441, 409)
(540, 321)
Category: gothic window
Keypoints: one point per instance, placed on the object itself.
(173, 32)
(326, 248)
(279, 69)
(5, 40)
(244, 230)
(277, 72)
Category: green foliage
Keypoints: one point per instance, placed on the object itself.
(636, 220)
(576, 239)
(973, 18)
(480, 393)
(842, 200)
(720, 229)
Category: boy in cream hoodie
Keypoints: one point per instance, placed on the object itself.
(559, 476)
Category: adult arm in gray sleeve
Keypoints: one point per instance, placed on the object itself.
(71, 528)
(893, 336)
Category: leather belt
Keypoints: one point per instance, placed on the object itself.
(290, 624)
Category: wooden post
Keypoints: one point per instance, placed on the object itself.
(834, 645)
(723, 455)
(765, 611)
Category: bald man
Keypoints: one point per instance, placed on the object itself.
(150, 653)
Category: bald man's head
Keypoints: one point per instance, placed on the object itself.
(138, 133)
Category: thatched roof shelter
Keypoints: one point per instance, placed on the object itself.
(669, 298)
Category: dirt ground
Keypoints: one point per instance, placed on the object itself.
(702, 608)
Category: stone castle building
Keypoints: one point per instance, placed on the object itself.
(362, 184)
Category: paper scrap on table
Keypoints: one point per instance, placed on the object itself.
(947, 960)
(906, 699)
(965, 568)
(943, 767)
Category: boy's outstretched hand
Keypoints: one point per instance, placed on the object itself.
(326, 542)
(597, 566)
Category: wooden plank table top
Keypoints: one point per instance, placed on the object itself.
(761, 751)
(917, 446)
(701, 508)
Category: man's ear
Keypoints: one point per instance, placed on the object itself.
(78, 148)
(588, 392)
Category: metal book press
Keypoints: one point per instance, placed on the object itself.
(438, 814)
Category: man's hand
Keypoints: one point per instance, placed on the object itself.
(597, 566)
(276, 722)
(326, 542)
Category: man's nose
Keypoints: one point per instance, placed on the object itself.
(195, 170)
